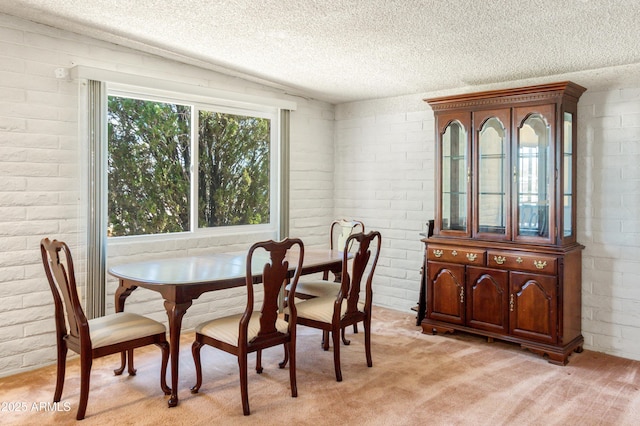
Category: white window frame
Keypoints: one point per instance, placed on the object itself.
(202, 103)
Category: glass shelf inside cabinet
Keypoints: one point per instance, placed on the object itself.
(454, 177)
(534, 160)
(492, 177)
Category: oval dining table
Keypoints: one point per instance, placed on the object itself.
(182, 280)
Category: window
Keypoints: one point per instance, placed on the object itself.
(96, 85)
(180, 166)
(234, 166)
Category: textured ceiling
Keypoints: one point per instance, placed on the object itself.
(348, 50)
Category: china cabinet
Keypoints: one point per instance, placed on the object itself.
(503, 260)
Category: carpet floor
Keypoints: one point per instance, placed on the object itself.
(416, 379)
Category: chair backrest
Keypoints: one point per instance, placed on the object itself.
(58, 266)
(275, 274)
(363, 264)
(341, 230)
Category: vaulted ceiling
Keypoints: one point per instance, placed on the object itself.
(348, 50)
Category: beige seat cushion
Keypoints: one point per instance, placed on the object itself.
(120, 327)
(227, 329)
(317, 288)
(321, 308)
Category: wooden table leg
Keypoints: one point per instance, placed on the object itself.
(175, 312)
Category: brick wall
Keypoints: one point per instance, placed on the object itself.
(369, 160)
(384, 176)
(43, 189)
(609, 226)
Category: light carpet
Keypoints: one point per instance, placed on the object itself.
(416, 379)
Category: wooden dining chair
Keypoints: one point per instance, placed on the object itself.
(116, 333)
(253, 331)
(339, 232)
(334, 313)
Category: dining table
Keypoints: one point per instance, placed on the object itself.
(181, 280)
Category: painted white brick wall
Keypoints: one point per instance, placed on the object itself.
(379, 178)
(369, 160)
(42, 190)
(384, 177)
(609, 191)
(312, 173)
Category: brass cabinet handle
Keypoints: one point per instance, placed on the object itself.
(499, 259)
(540, 264)
(472, 257)
(437, 253)
(511, 303)
(461, 294)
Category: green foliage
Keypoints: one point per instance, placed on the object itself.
(149, 168)
(233, 170)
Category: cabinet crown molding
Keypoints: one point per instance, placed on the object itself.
(511, 96)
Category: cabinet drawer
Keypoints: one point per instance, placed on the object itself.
(540, 263)
(465, 255)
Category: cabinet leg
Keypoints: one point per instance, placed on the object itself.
(557, 359)
(435, 329)
(551, 357)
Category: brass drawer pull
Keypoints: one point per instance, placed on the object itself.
(454, 253)
(437, 253)
(472, 257)
(519, 260)
(499, 259)
(540, 264)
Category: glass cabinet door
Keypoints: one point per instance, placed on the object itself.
(567, 181)
(455, 178)
(492, 188)
(533, 175)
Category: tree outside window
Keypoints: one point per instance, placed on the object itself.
(233, 170)
(149, 167)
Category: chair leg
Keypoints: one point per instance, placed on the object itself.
(62, 366)
(355, 328)
(132, 371)
(85, 373)
(335, 333)
(367, 340)
(344, 339)
(195, 351)
(259, 361)
(283, 363)
(291, 349)
(164, 347)
(325, 340)
(244, 392)
(123, 363)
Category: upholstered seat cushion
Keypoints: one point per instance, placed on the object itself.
(227, 329)
(120, 327)
(318, 288)
(321, 308)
